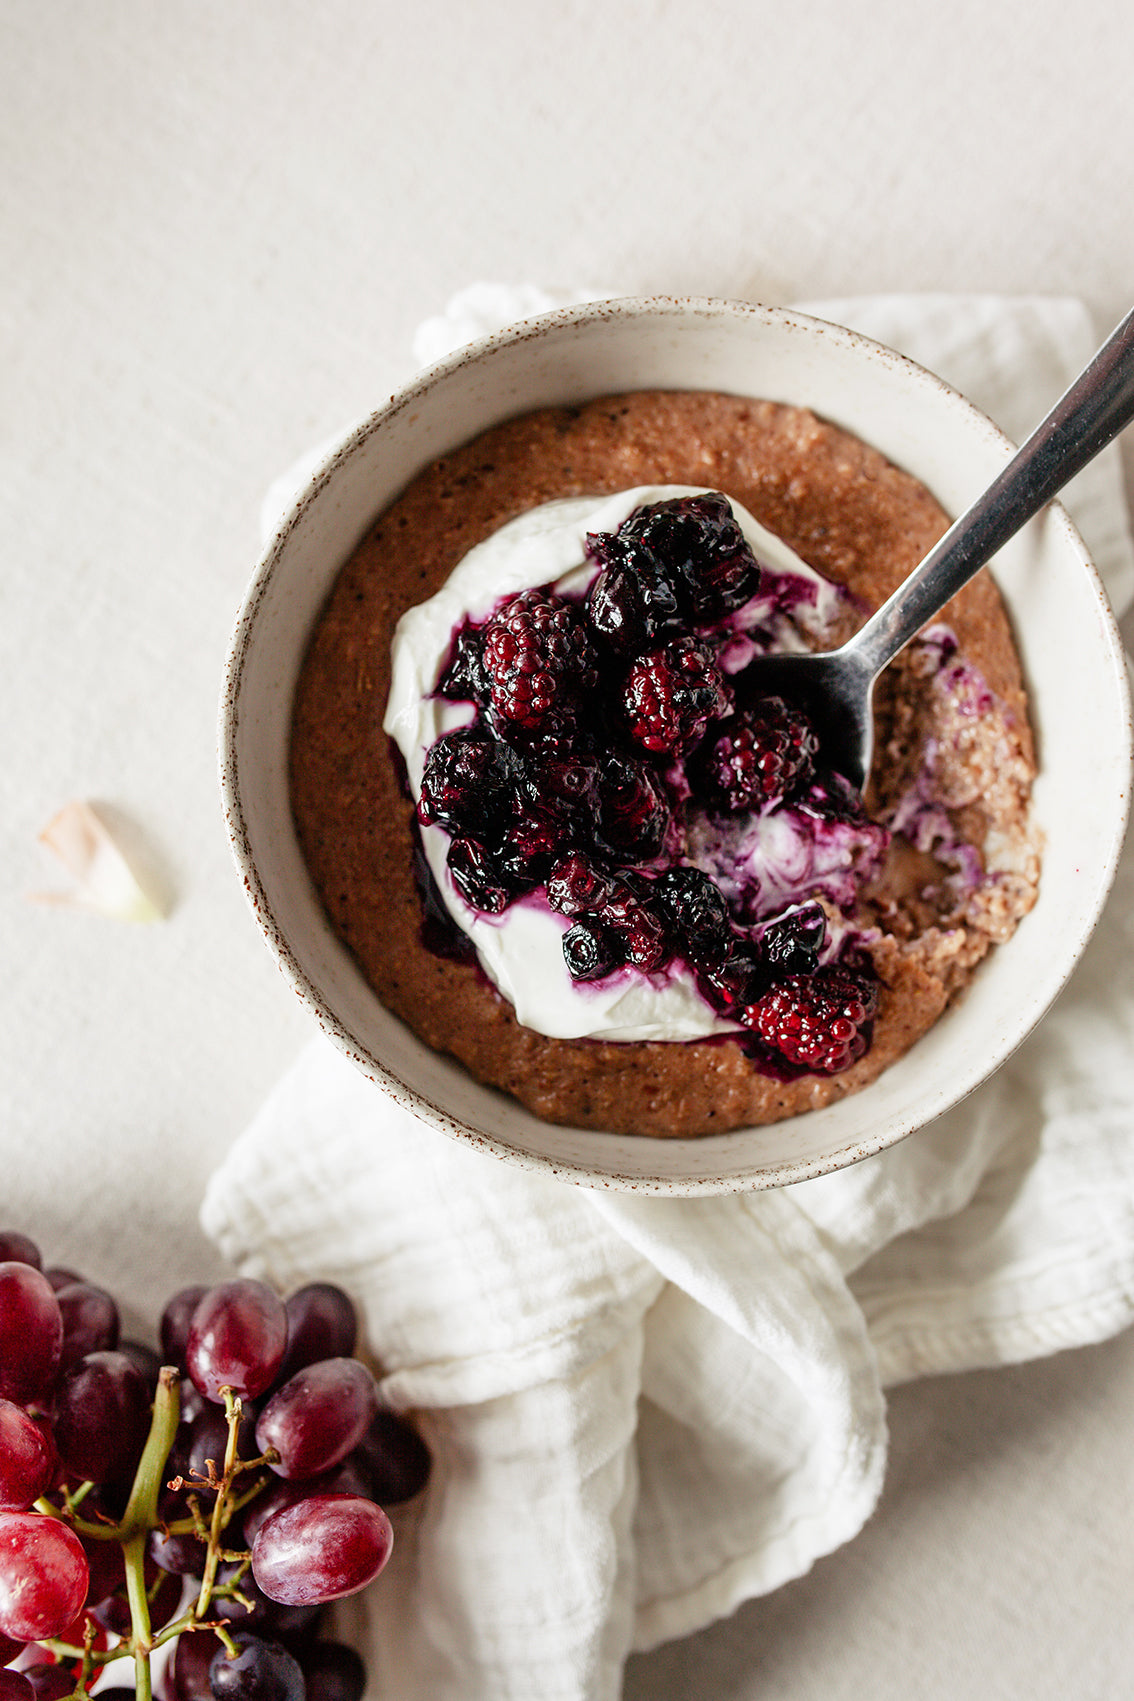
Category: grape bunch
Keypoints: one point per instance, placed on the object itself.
(215, 1496)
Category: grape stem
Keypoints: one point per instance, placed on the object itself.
(141, 1642)
(221, 1510)
(196, 1525)
(142, 1515)
(141, 1512)
(96, 1532)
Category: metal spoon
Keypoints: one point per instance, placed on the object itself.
(835, 687)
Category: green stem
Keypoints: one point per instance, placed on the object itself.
(134, 1553)
(141, 1512)
(68, 1651)
(220, 1506)
(96, 1532)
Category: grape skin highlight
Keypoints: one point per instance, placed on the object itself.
(25, 1459)
(321, 1549)
(237, 1340)
(318, 1416)
(43, 1575)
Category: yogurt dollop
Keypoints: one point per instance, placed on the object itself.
(521, 949)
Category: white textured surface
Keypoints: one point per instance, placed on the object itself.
(222, 225)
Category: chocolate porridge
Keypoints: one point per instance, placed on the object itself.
(941, 866)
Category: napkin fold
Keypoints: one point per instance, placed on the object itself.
(643, 1411)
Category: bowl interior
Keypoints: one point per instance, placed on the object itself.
(1067, 638)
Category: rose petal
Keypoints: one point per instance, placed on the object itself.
(105, 882)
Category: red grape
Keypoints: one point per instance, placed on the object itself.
(102, 1417)
(188, 1673)
(83, 1628)
(145, 1361)
(113, 1611)
(90, 1322)
(262, 1617)
(43, 1575)
(50, 1682)
(193, 1402)
(31, 1333)
(18, 1249)
(321, 1323)
(236, 1339)
(88, 1397)
(324, 1547)
(107, 1567)
(332, 1672)
(208, 1439)
(43, 1423)
(315, 1419)
(261, 1671)
(344, 1479)
(175, 1321)
(393, 1458)
(183, 1555)
(274, 1498)
(26, 1464)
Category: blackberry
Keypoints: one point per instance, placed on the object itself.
(463, 679)
(790, 945)
(835, 799)
(633, 813)
(480, 877)
(631, 601)
(537, 659)
(462, 786)
(670, 695)
(546, 777)
(637, 927)
(577, 887)
(696, 546)
(697, 916)
(762, 754)
(816, 1021)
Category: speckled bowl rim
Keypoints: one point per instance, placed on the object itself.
(722, 1179)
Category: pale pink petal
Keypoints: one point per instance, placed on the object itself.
(104, 881)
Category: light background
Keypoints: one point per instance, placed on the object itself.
(221, 224)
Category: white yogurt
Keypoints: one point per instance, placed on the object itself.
(521, 949)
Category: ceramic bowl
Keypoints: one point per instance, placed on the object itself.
(1067, 638)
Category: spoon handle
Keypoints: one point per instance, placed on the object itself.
(1085, 419)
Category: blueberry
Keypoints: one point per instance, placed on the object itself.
(589, 951)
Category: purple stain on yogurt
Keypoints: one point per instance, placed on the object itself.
(786, 854)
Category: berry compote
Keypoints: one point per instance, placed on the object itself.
(613, 736)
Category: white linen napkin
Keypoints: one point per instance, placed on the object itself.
(643, 1411)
